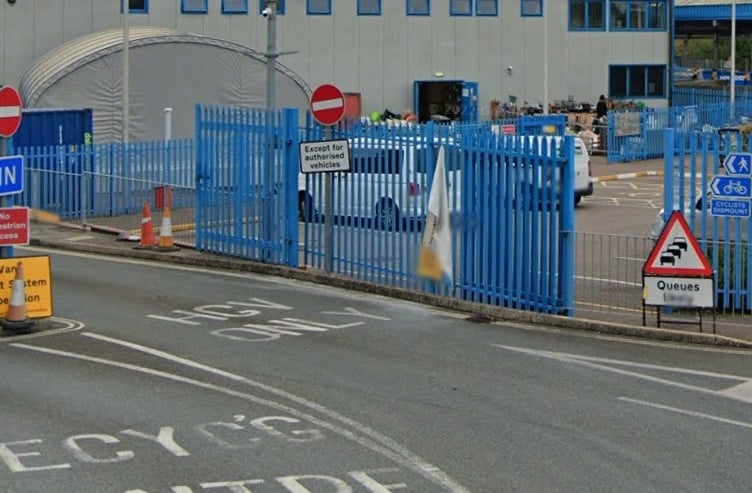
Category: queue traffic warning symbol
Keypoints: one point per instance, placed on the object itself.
(677, 252)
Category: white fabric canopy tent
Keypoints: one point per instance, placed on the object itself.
(167, 69)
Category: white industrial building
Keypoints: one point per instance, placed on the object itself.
(374, 49)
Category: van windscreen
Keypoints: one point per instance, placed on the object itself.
(387, 161)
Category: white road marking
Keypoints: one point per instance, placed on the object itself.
(632, 259)
(71, 325)
(594, 362)
(377, 442)
(79, 238)
(609, 281)
(687, 412)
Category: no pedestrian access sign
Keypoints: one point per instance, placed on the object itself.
(327, 104)
(10, 111)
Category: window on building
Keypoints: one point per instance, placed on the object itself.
(532, 8)
(280, 6)
(319, 7)
(587, 15)
(194, 6)
(369, 7)
(136, 6)
(460, 7)
(418, 7)
(486, 7)
(234, 6)
(637, 81)
(638, 14)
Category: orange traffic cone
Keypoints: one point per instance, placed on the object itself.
(148, 239)
(15, 318)
(166, 242)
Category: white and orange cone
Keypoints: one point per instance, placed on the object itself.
(147, 239)
(16, 318)
(166, 242)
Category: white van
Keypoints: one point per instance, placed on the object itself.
(387, 183)
(583, 181)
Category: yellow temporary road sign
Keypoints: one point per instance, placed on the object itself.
(37, 285)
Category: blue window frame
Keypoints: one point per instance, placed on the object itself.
(319, 7)
(369, 7)
(418, 7)
(640, 15)
(460, 7)
(194, 6)
(280, 6)
(637, 81)
(136, 6)
(234, 6)
(531, 8)
(487, 7)
(587, 15)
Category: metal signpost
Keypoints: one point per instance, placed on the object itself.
(11, 169)
(328, 108)
(732, 192)
(677, 274)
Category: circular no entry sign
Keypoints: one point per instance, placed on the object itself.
(327, 104)
(10, 111)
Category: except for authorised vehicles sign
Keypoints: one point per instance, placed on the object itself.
(324, 156)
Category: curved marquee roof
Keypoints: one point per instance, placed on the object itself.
(57, 63)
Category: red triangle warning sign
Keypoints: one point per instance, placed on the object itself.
(677, 253)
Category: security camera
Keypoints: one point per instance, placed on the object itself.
(266, 12)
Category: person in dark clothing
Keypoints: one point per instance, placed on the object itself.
(601, 108)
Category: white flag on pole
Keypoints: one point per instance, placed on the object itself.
(435, 261)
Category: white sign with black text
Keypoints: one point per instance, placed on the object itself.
(324, 156)
(694, 292)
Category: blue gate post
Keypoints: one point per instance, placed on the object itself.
(567, 231)
(668, 171)
(292, 141)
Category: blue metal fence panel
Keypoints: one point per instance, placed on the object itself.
(247, 165)
(505, 196)
(110, 179)
(688, 173)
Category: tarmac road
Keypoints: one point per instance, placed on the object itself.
(198, 379)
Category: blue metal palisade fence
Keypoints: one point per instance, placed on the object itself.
(512, 223)
(105, 180)
(246, 180)
(238, 187)
(688, 172)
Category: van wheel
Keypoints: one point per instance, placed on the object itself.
(387, 215)
(577, 199)
(306, 209)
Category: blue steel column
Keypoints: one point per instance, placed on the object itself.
(199, 156)
(567, 231)
(668, 171)
(290, 178)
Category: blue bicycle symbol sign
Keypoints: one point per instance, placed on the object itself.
(731, 186)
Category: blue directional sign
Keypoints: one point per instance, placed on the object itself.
(738, 163)
(732, 187)
(11, 175)
(730, 208)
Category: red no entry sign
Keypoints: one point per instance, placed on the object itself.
(327, 104)
(10, 111)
